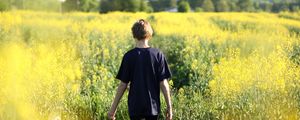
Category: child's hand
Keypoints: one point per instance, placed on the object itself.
(111, 115)
(169, 114)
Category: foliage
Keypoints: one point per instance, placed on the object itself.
(222, 6)
(198, 9)
(245, 5)
(124, 5)
(3, 6)
(208, 6)
(183, 6)
(161, 5)
(195, 3)
(70, 5)
(89, 5)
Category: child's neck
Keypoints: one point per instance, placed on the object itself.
(142, 44)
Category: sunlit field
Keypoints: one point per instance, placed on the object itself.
(224, 65)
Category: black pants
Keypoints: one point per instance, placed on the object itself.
(144, 117)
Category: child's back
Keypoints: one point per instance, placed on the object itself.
(144, 68)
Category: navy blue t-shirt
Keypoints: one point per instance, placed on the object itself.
(144, 68)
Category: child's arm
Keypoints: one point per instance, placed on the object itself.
(164, 86)
(121, 89)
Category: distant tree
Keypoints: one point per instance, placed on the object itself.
(208, 6)
(233, 6)
(156, 5)
(89, 5)
(285, 6)
(38, 5)
(195, 3)
(3, 6)
(222, 6)
(131, 5)
(110, 5)
(282, 6)
(198, 9)
(161, 5)
(16, 4)
(295, 8)
(276, 7)
(71, 5)
(183, 6)
(105, 6)
(171, 3)
(267, 6)
(215, 3)
(42, 5)
(245, 5)
(124, 5)
(257, 7)
(145, 7)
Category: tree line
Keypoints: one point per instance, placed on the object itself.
(105, 6)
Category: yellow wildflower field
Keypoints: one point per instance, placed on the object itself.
(224, 65)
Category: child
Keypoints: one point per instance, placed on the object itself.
(147, 71)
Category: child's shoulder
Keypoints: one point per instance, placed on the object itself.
(155, 50)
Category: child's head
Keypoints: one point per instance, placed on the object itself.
(141, 30)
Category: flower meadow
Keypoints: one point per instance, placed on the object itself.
(224, 65)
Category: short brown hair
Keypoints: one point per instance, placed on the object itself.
(142, 30)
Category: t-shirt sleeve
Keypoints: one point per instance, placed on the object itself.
(164, 70)
(123, 73)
